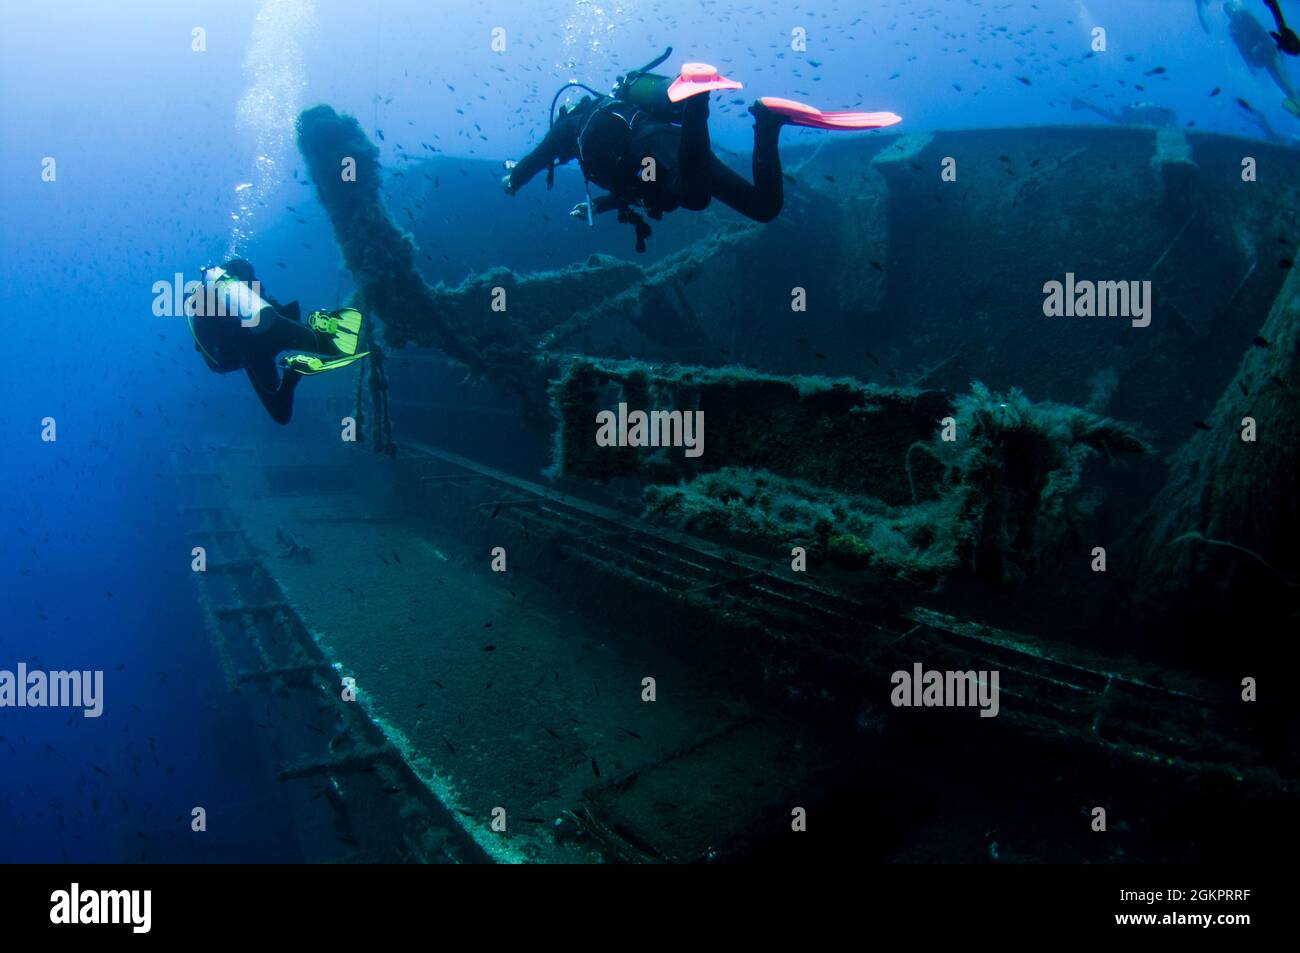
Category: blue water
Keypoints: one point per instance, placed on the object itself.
(151, 146)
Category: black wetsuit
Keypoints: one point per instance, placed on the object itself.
(1287, 41)
(611, 139)
(228, 346)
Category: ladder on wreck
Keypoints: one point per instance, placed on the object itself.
(383, 811)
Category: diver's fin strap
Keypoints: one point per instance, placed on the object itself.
(343, 327)
(308, 364)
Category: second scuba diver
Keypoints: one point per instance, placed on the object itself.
(647, 145)
(236, 326)
(1287, 41)
(1257, 48)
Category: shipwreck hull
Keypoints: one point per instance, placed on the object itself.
(522, 690)
(519, 686)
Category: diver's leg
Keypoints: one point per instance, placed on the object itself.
(763, 200)
(273, 390)
(695, 155)
(258, 351)
(276, 333)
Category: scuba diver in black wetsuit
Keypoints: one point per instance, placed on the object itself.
(1254, 45)
(1287, 41)
(236, 326)
(648, 146)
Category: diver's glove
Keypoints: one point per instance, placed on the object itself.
(1287, 41)
(579, 211)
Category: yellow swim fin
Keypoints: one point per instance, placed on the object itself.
(309, 364)
(342, 326)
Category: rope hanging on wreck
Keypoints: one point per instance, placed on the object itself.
(372, 376)
(382, 436)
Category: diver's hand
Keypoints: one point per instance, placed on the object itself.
(1287, 41)
(579, 211)
(506, 181)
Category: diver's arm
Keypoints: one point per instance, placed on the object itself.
(560, 145)
(601, 203)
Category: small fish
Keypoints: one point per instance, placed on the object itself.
(1155, 72)
(1004, 158)
(819, 355)
(1260, 341)
(380, 134)
(489, 648)
(450, 746)
(550, 732)
(397, 557)
(873, 359)
(596, 687)
(1214, 92)
(1200, 425)
(595, 768)
(629, 731)
(1024, 80)
(434, 681)
(495, 511)
(876, 265)
(1245, 105)
(347, 840)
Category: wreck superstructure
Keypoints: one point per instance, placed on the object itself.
(861, 506)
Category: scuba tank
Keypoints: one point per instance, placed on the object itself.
(224, 295)
(639, 88)
(648, 91)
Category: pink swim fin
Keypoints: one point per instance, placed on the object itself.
(802, 114)
(698, 78)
